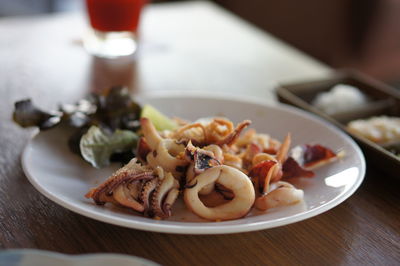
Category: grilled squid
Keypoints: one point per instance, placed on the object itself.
(201, 160)
(219, 131)
(123, 187)
(164, 151)
(230, 178)
(221, 175)
(164, 196)
(280, 194)
(139, 188)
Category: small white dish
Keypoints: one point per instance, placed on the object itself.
(35, 257)
(65, 178)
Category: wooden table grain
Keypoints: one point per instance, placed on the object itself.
(184, 46)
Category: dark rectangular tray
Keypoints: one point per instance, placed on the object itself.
(385, 100)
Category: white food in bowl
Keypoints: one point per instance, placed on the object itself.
(340, 98)
(382, 129)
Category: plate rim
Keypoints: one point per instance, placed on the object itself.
(204, 228)
(78, 258)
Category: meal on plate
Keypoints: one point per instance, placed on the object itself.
(221, 171)
(220, 174)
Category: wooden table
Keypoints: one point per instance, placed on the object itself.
(184, 46)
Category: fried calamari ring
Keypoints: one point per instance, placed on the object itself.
(231, 179)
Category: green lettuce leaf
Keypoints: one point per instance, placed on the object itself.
(97, 146)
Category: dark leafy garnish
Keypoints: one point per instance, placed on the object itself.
(28, 115)
(122, 157)
(75, 139)
(79, 114)
(114, 113)
(97, 146)
(116, 109)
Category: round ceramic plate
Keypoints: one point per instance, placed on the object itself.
(64, 178)
(29, 257)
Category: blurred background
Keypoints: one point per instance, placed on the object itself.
(360, 34)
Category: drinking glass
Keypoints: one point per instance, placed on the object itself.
(114, 25)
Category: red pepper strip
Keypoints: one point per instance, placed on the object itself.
(259, 173)
(292, 169)
(315, 154)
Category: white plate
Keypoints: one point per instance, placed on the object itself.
(64, 178)
(34, 257)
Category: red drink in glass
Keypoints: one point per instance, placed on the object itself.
(114, 26)
(114, 15)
